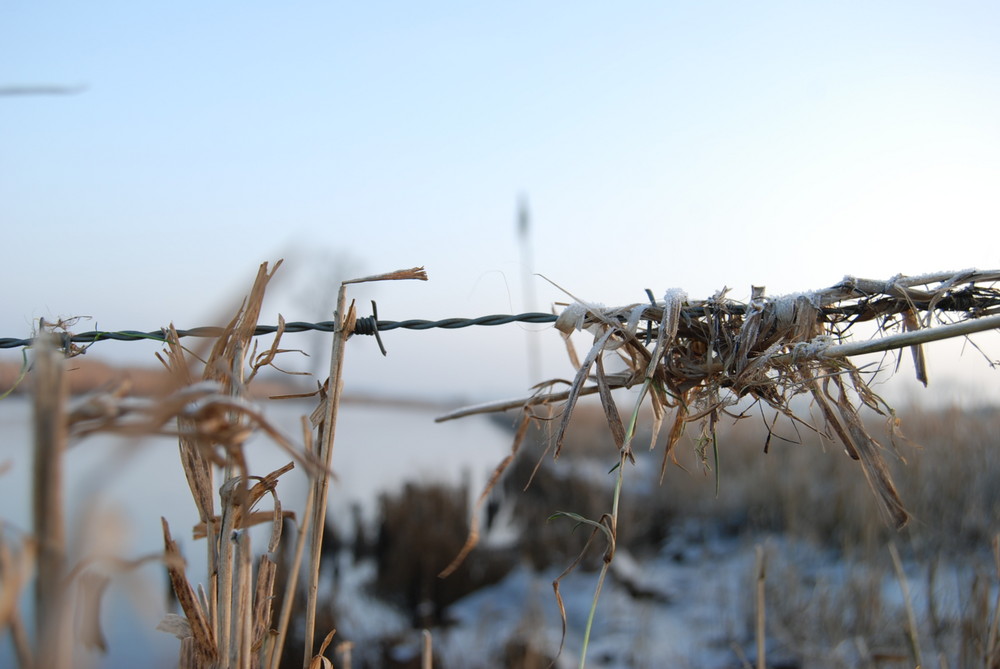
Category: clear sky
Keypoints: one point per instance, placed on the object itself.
(659, 144)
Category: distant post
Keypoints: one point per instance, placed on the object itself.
(528, 285)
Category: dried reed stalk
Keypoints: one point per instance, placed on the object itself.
(318, 661)
(198, 471)
(426, 650)
(262, 602)
(229, 625)
(325, 418)
(343, 652)
(233, 597)
(51, 637)
(240, 650)
(291, 587)
(992, 651)
(912, 636)
(321, 485)
(17, 566)
(914, 338)
(225, 364)
(761, 609)
(199, 647)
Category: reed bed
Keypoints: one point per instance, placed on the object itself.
(694, 366)
(831, 599)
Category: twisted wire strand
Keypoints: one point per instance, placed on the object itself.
(365, 326)
(973, 300)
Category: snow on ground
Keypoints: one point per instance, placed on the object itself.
(697, 609)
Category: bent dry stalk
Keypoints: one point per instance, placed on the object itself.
(325, 418)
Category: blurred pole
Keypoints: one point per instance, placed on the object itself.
(528, 284)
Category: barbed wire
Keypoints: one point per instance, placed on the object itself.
(365, 326)
(974, 301)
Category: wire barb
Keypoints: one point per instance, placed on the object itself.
(368, 325)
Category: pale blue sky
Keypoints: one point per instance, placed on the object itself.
(698, 145)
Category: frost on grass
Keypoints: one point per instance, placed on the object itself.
(694, 360)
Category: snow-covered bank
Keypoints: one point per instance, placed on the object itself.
(823, 609)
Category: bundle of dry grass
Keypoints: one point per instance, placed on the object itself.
(694, 360)
(698, 358)
(231, 624)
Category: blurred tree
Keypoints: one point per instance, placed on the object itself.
(309, 286)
